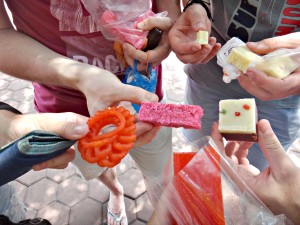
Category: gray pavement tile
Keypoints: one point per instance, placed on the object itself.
(72, 190)
(56, 212)
(88, 211)
(32, 177)
(17, 85)
(138, 222)
(133, 183)
(41, 193)
(144, 207)
(98, 191)
(21, 190)
(61, 174)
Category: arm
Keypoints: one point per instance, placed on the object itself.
(277, 186)
(35, 62)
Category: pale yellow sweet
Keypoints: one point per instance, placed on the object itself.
(242, 58)
(278, 67)
(237, 116)
(202, 37)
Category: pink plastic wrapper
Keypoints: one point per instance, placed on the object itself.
(120, 18)
(208, 191)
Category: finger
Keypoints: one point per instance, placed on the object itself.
(242, 152)
(68, 125)
(197, 17)
(205, 51)
(146, 137)
(58, 161)
(255, 83)
(217, 137)
(162, 23)
(142, 127)
(277, 158)
(182, 44)
(270, 44)
(135, 94)
(231, 148)
(158, 54)
(212, 53)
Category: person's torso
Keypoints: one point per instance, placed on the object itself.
(69, 28)
(252, 20)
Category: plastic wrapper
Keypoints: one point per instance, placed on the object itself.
(207, 190)
(119, 20)
(234, 57)
(146, 80)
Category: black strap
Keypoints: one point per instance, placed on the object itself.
(4, 106)
(204, 4)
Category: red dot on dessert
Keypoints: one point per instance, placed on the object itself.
(247, 107)
(237, 113)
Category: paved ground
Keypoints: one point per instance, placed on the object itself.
(61, 195)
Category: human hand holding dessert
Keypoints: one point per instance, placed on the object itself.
(265, 87)
(278, 184)
(183, 36)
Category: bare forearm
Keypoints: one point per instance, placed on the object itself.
(25, 58)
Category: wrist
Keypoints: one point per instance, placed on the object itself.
(204, 4)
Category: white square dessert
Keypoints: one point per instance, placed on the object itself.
(238, 119)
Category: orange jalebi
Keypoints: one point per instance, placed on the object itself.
(108, 149)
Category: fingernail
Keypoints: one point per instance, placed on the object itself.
(200, 25)
(252, 43)
(140, 25)
(151, 97)
(81, 129)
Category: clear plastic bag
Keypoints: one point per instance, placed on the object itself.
(234, 57)
(207, 190)
(119, 20)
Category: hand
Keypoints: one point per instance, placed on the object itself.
(68, 125)
(155, 56)
(145, 132)
(277, 186)
(182, 36)
(265, 87)
(103, 89)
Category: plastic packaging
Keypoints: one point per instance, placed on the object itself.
(234, 57)
(119, 20)
(207, 190)
(147, 81)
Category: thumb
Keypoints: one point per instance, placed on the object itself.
(136, 94)
(271, 44)
(72, 130)
(197, 16)
(272, 149)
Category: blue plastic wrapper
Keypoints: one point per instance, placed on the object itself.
(147, 82)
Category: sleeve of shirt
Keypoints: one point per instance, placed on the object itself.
(4, 106)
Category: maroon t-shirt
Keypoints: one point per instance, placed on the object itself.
(68, 28)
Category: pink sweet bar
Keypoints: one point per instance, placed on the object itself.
(171, 115)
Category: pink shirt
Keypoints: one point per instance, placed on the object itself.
(67, 28)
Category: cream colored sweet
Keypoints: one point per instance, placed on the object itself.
(202, 37)
(242, 58)
(278, 66)
(237, 116)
